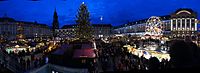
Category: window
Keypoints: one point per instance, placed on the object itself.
(54, 71)
(83, 61)
(192, 24)
(174, 23)
(188, 21)
(193, 29)
(183, 23)
(192, 20)
(179, 24)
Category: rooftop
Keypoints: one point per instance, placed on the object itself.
(166, 17)
(94, 25)
(8, 19)
(187, 9)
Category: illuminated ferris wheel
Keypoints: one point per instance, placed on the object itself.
(154, 26)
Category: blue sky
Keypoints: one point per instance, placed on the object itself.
(115, 12)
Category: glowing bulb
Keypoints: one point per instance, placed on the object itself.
(83, 2)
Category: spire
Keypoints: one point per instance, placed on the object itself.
(55, 9)
(55, 13)
(55, 23)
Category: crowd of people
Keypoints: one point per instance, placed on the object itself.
(114, 57)
(25, 59)
(122, 60)
(183, 54)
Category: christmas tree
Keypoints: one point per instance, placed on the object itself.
(83, 29)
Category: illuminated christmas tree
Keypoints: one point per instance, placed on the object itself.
(83, 29)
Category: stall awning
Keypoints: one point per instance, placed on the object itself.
(84, 53)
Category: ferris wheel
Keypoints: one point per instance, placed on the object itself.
(154, 26)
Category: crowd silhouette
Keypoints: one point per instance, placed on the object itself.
(112, 57)
(184, 55)
(25, 58)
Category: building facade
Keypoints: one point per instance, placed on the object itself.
(99, 30)
(102, 30)
(138, 27)
(198, 31)
(9, 29)
(198, 27)
(67, 31)
(184, 23)
(181, 23)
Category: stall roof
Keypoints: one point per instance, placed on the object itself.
(84, 53)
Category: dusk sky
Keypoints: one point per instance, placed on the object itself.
(115, 12)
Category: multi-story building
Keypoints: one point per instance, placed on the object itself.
(100, 30)
(131, 27)
(67, 31)
(138, 27)
(184, 23)
(198, 31)
(179, 24)
(9, 29)
(198, 26)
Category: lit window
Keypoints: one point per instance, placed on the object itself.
(83, 61)
(52, 71)
(192, 28)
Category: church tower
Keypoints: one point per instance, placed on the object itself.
(55, 24)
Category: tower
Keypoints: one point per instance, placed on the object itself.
(55, 24)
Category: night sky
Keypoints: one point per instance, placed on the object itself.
(115, 12)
